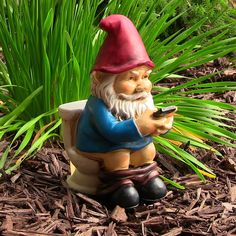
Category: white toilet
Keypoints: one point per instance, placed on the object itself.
(84, 171)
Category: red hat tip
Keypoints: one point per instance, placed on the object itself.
(123, 48)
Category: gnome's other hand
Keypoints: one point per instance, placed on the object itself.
(148, 125)
(165, 124)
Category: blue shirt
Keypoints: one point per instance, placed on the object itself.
(99, 131)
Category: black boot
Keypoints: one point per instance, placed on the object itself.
(118, 189)
(126, 196)
(153, 190)
(150, 187)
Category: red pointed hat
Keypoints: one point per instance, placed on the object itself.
(123, 48)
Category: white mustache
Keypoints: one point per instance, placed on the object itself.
(133, 97)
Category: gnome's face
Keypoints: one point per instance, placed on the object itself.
(127, 95)
(133, 84)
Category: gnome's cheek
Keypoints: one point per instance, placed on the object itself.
(147, 85)
(124, 87)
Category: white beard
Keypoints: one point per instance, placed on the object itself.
(125, 108)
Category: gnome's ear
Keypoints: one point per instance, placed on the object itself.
(100, 76)
(93, 75)
(96, 75)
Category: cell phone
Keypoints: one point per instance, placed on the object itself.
(164, 111)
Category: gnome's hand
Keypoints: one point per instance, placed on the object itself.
(148, 125)
(165, 124)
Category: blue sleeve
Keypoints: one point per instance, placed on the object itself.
(109, 127)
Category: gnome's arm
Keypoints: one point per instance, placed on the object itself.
(110, 128)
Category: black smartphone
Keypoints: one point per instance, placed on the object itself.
(164, 111)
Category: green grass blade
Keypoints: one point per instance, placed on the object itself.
(182, 153)
(25, 141)
(4, 157)
(179, 186)
(7, 119)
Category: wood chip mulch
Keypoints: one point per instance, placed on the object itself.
(36, 201)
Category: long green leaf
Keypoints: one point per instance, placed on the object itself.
(7, 119)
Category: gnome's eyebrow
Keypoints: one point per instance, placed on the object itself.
(134, 72)
(137, 72)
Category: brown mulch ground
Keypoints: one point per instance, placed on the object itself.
(36, 201)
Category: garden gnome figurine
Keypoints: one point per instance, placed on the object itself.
(117, 124)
